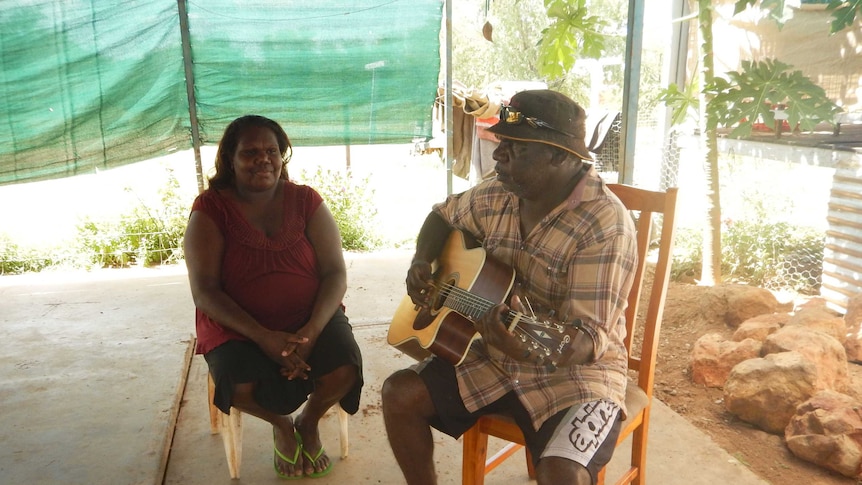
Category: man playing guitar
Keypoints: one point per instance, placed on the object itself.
(571, 246)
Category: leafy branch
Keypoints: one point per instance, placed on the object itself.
(774, 7)
(684, 102)
(572, 33)
(843, 11)
(754, 93)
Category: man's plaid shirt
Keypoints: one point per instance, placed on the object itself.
(578, 261)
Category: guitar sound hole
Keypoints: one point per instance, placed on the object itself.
(440, 299)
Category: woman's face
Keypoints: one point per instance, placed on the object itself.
(257, 161)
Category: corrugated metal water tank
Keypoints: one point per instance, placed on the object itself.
(842, 256)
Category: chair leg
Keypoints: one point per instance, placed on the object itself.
(232, 440)
(639, 448)
(531, 469)
(600, 479)
(475, 449)
(230, 428)
(214, 411)
(342, 421)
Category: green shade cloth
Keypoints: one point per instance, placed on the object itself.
(97, 84)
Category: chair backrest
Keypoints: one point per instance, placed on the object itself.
(653, 209)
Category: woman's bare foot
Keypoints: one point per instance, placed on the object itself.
(315, 459)
(287, 450)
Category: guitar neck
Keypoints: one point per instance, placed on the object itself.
(462, 301)
(549, 340)
(475, 307)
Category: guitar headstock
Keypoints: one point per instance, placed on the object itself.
(549, 340)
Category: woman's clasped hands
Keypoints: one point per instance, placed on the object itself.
(291, 351)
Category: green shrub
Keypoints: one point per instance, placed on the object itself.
(101, 245)
(351, 203)
(147, 236)
(16, 260)
(687, 255)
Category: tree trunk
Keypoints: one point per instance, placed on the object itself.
(711, 269)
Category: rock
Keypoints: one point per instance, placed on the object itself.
(820, 318)
(713, 357)
(827, 430)
(737, 303)
(814, 302)
(761, 326)
(765, 391)
(826, 353)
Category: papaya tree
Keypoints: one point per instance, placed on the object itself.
(739, 99)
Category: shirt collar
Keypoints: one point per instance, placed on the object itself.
(586, 189)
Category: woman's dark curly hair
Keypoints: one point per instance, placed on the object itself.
(224, 175)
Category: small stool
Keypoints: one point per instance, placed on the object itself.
(230, 428)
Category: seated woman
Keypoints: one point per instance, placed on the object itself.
(267, 275)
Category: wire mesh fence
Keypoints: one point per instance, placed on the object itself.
(95, 250)
(774, 203)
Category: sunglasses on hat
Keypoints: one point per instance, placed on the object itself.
(512, 116)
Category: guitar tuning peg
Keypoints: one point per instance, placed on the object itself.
(577, 324)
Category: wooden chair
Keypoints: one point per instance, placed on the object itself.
(645, 204)
(230, 428)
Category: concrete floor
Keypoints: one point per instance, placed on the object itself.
(98, 385)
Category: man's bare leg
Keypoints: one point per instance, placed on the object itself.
(407, 410)
(553, 469)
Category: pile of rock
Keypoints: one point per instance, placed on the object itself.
(785, 370)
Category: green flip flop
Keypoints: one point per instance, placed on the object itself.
(313, 460)
(279, 454)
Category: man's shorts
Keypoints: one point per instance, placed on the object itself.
(240, 362)
(584, 433)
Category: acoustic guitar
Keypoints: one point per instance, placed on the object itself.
(467, 284)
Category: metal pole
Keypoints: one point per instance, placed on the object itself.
(674, 72)
(679, 43)
(190, 90)
(449, 124)
(631, 85)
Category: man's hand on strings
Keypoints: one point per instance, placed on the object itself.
(420, 283)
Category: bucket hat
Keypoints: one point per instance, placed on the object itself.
(544, 116)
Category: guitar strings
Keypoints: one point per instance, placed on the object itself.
(475, 302)
(472, 301)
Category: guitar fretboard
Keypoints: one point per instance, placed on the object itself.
(464, 302)
(470, 305)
